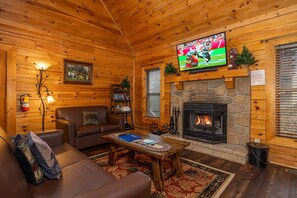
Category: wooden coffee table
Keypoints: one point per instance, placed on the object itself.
(156, 157)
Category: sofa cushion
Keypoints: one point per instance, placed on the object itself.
(77, 178)
(45, 157)
(27, 161)
(90, 118)
(87, 130)
(110, 127)
(67, 155)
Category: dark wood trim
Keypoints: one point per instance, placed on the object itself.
(3, 88)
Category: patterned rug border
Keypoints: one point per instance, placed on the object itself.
(211, 169)
(223, 185)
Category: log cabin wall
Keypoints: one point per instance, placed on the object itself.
(153, 28)
(51, 31)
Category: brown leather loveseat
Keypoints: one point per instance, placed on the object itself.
(70, 119)
(80, 176)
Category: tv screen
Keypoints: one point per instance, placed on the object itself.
(202, 53)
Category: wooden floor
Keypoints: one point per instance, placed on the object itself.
(249, 181)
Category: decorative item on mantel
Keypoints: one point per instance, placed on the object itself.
(232, 56)
(170, 69)
(125, 83)
(245, 58)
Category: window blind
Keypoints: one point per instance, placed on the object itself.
(286, 90)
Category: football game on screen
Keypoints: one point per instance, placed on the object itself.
(202, 53)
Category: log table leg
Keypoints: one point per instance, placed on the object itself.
(112, 155)
(177, 164)
(131, 154)
(158, 177)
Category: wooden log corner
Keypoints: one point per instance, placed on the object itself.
(179, 85)
(230, 83)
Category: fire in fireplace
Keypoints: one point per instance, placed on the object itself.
(205, 122)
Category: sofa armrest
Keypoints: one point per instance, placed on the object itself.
(116, 119)
(132, 186)
(52, 137)
(69, 130)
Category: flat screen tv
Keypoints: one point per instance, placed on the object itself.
(204, 53)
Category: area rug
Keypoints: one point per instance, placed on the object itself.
(197, 181)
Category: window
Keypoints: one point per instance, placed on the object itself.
(153, 93)
(286, 90)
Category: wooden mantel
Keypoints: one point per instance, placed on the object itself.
(228, 75)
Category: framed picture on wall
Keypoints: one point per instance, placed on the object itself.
(78, 72)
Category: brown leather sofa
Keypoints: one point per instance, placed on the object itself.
(70, 119)
(80, 176)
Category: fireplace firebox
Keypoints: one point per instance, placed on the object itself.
(205, 122)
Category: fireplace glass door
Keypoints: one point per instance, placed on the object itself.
(201, 122)
(205, 122)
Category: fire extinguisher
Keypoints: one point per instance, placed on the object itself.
(24, 99)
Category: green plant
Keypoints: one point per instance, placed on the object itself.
(125, 83)
(245, 57)
(170, 69)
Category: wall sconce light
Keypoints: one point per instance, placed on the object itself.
(41, 78)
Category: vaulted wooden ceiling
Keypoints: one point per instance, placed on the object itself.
(86, 22)
(150, 23)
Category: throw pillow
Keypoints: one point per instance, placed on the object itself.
(90, 118)
(27, 161)
(44, 156)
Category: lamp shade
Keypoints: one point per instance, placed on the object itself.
(50, 99)
(41, 65)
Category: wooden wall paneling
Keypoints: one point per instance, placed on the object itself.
(258, 95)
(16, 41)
(257, 132)
(165, 98)
(133, 92)
(270, 90)
(3, 89)
(282, 158)
(258, 109)
(11, 92)
(258, 105)
(106, 71)
(283, 151)
(138, 96)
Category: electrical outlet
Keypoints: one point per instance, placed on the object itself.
(257, 140)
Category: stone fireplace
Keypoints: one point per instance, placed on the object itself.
(238, 114)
